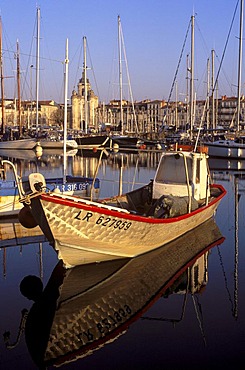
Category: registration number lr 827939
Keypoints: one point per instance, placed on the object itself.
(104, 221)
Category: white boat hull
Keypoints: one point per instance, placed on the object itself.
(226, 149)
(131, 224)
(84, 233)
(52, 144)
(18, 144)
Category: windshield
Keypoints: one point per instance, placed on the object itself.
(172, 170)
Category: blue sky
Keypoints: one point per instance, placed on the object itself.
(153, 31)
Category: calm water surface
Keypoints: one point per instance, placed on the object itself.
(181, 307)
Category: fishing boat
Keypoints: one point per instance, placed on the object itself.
(99, 302)
(8, 140)
(178, 199)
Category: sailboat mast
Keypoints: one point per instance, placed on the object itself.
(85, 84)
(240, 65)
(18, 88)
(192, 77)
(37, 64)
(213, 90)
(65, 109)
(208, 88)
(2, 83)
(120, 71)
(187, 89)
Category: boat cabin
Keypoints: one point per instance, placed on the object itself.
(182, 174)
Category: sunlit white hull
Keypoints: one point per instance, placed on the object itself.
(83, 232)
(226, 149)
(52, 144)
(18, 144)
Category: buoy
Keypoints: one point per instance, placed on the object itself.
(26, 219)
(94, 150)
(38, 150)
(115, 148)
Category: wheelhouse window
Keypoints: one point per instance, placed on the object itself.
(172, 170)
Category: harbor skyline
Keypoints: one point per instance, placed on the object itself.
(153, 34)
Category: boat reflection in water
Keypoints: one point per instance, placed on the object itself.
(83, 308)
(12, 233)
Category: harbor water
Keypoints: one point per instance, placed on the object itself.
(179, 307)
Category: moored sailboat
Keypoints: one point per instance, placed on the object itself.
(232, 148)
(7, 141)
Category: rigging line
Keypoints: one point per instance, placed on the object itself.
(180, 58)
(34, 56)
(51, 66)
(200, 321)
(227, 79)
(226, 43)
(6, 41)
(184, 304)
(92, 68)
(202, 38)
(129, 82)
(25, 82)
(226, 284)
(171, 320)
(78, 68)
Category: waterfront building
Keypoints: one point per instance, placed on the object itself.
(228, 110)
(147, 118)
(49, 113)
(83, 108)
